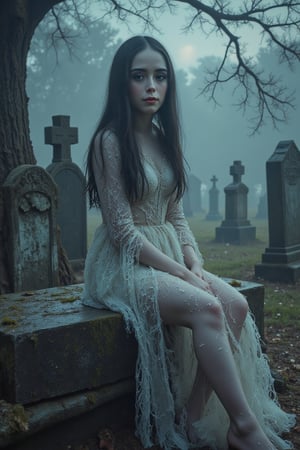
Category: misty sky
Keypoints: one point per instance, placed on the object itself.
(186, 47)
(214, 137)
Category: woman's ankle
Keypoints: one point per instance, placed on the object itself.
(247, 434)
(243, 424)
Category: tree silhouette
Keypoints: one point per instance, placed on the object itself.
(50, 68)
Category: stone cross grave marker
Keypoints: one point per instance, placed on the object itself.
(71, 214)
(236, 228)
(237, 170)
(30, 197)
(281, 260)
(213, 213)
(61, 136)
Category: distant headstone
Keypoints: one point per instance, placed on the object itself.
(281, 260)
(236, 228)
(262, 209)
(71, 214)
(186, 202)
(30, 197)
(213, 213)
(194, 188)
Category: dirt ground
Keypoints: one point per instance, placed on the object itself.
(283, 351)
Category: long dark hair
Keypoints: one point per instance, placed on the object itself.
(117, 116)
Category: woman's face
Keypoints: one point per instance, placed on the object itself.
(148, 81)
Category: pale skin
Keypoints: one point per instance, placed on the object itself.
(147, 90)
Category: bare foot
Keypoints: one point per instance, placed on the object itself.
(249, 437)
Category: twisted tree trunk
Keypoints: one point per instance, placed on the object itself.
(18, 20)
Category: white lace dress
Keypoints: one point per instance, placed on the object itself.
(166, 363)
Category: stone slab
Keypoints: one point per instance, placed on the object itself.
(236, 235)
(51, 345)
(285, 273)
(255, 295)
(59, 423)
(70, 434)
(283, 256)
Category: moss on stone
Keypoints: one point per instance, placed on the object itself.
(104, 333)
(69, 299)
(8, 321)
(34, 339)
(92, 398)
(13, 418)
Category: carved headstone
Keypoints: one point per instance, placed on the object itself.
(30, 204)
(281, 260)
(71, 214)
(213, 213)
(262, 209)
(236, 228)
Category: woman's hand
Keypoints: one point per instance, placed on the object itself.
(197, 269)
(197, 278)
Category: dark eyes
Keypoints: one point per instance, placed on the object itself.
(137, 76)
(140, 76)
(161, 77)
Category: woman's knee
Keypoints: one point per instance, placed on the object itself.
(211, 314)
(241, 308)
(183, 304)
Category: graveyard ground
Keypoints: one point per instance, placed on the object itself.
(282, 312)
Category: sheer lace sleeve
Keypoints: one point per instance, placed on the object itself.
(115, 208)
(176, 216)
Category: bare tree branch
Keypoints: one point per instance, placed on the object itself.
(278, 22)
(65, 23)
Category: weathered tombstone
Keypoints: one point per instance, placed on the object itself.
(281, 260)
(213, 213)
(71, 214)
(262, 209)
(30, 197)
(236, 228)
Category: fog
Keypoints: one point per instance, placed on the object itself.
(213, 136)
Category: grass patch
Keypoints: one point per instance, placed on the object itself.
(224, 259)
(282, 305)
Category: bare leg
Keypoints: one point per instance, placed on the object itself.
(182, 304)
(235, 308)
(197, 400)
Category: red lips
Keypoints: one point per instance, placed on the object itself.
(151, 99)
